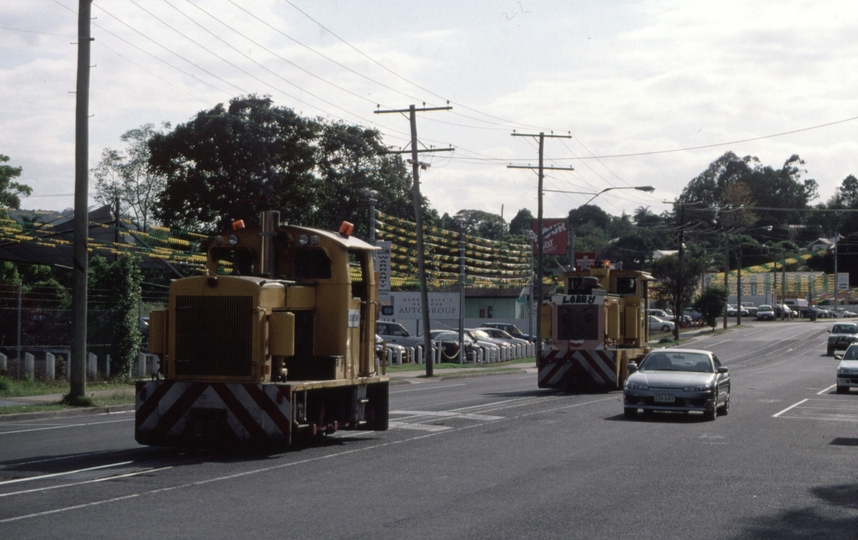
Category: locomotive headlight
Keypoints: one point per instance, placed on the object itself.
(314, 240)
(303, 239)
(218, 240)
(233, 239)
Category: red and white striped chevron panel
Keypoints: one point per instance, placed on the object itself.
(571, 368)
(173, 413)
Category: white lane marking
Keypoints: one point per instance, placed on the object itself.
(788, 408)
(418, 427)
(64, 427)
(427, 388)
(825, 390)
(752, 333)
(291, 464)
(43, 476)
(718, 343)
(447, 414)
(93, 481)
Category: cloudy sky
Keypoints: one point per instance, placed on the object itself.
(651, 91)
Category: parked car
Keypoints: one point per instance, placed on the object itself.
(843, 312)
(765, 312)
(497, 333)
(841, 336)
(381, 345)
(679, 380)
(847, 370)
(732, 311)
(751, 307)
(449, 340)
(658, 324)
(692, 314)
(785, 310)
(393, 332)
(509, 328)
(482, 337)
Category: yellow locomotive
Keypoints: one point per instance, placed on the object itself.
(594, 329)
(275, 342)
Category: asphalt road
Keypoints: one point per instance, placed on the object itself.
(478, 457)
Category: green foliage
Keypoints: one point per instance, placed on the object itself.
(127, 177)
(10, 192)
(113, 327)
(710, 304)
(677, 283)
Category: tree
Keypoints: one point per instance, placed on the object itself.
(710, 304)
(480, 224)
(128, 177)
(520, 225)
(677, 283)
(114, 297)
(10, 192)
(235, 162)
(351, 159)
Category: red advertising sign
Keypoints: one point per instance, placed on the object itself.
(554, 236)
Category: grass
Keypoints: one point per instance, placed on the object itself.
(99, 394)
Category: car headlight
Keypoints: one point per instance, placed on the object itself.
(636, 386)
(698, 388)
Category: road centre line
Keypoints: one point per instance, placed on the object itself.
(788, 408)
(290, 464)
(48, 428)
(43, 476)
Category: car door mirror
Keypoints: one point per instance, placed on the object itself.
(632, 367)
(723, 369)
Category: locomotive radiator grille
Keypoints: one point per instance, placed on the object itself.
(213, 335)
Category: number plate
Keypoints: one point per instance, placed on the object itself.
(664, 398)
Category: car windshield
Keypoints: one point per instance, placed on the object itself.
(765, 307)
(845, 329)
(851, 353)
(676, 361)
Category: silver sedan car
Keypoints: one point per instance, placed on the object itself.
(678, 380)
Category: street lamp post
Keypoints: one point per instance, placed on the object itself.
(648, 189)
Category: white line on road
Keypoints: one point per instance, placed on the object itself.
(43, 476)
(64, 427)
(790, 407)
(93, 481)
(426, 388)
(825, 390)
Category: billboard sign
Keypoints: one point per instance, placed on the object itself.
(554, 236)
(406, 305)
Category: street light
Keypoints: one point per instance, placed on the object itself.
(648, 189)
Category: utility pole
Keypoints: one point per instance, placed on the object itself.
(418, 219)
(539, 240)
(81, 214)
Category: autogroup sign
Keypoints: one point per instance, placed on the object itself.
(407, 305)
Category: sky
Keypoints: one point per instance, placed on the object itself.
(643, 92)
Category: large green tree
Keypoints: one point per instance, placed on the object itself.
(234, 162)
(10, 192)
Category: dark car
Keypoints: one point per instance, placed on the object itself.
(679, 380)
(841, 336)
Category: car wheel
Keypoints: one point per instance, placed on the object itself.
(724, 410)
(830, 351)
(842, 389)
(629, 412)
(711, 415)
(665, 328)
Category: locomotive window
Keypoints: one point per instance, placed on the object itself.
(572, 283)
(312, 264)
(626, 285)
(241, 259)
